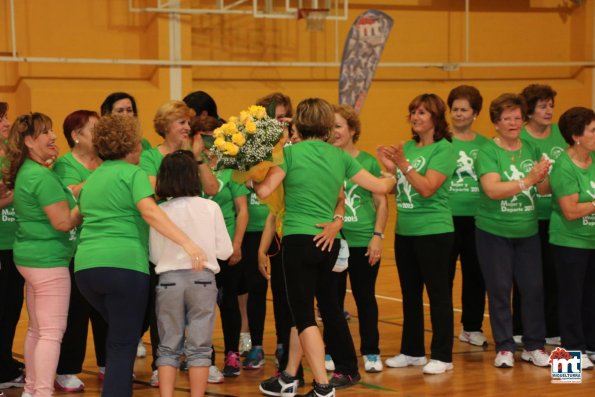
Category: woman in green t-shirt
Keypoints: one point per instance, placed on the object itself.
(47, 218)
(465, 104)
(111, 262)
(73, 169)
(365, 219)
(572, 231)
(124, 104)
(313, 174)
(11, 281)
(424, 233)
(544, 134)
(506, 235)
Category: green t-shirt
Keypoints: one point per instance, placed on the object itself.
(416, 215)
(70, 171)
(464, 185)
(551, 148)
(150, 161)
(37, 243)
(8, 225)
(565, 179)
(315, 172)
(512, 217)
(114, 232)
(228, 191)
(146, 145)
(257, 214)
(360, 211)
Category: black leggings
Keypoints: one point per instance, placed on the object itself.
(256, 286)
(11, 303)
(120, 295)
(74, 341)
(423, 260)
(308, 274)
(473, 295)
(228, 282)
(362, 277)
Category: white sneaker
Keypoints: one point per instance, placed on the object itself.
(474, 337)
(245, 343)
(141, 350)
(504, 359)
(553, 341)
(587, 364)
(372, 363)
(518, 339)
(329, 364)
(154, 382)
(215, 376)
(403, 360)
(435, 367)
(538, 357)
(68, 383)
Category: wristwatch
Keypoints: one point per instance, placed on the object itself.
(381, 235)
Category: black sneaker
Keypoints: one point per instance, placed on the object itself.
(340, 381)
(282, 383)
(319, 391)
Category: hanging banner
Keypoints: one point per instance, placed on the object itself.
(361, 55)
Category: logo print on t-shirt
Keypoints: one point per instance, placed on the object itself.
(465, 164)
(352, 201)
(516, 175)
(592, 194)
(403, 185)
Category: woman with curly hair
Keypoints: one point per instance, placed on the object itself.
(424, 233)
(46, 216)
(111, 262)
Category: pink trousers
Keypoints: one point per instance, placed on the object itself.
(47, 294)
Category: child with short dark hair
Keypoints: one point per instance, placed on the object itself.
(186, 294)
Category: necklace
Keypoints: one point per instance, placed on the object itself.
(514, 153)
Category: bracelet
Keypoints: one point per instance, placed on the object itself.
(338, 216)
(408, 170)
(199, 162)
(593, 203)
(522, 185)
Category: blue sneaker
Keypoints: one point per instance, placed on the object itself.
(254, 359)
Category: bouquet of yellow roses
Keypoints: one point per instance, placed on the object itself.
(248, 140)
(250, 145)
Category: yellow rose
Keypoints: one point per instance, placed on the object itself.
(230, 149)
(238, 139)
(245, 117)
(233, 119)
(219, 143)
(229, 129)
(250, 127)
(258, 112)
(218, 133)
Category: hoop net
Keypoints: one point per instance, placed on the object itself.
(314, 17)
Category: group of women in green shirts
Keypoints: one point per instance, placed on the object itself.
(489, 202)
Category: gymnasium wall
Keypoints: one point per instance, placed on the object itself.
(424, 31)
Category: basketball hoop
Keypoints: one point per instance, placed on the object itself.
(314, 17)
